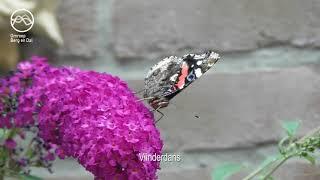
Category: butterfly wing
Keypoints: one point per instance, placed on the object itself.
(173, 74)
(161, 77)
(192, 67)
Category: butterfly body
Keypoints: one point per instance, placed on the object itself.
(173, 74)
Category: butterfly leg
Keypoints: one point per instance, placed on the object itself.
(160, 117)
(159, 113)
(160, 104)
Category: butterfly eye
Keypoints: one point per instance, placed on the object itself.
(191, 77)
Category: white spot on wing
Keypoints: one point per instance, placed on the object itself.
(199, 63)
(198, 72)
(201, 56)
(174, 78)
(214, 55)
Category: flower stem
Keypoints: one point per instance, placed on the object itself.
(283, 160)
(280, 160)
(259, 170)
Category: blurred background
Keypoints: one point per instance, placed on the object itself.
(269, 70)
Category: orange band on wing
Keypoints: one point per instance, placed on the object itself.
(182, 77)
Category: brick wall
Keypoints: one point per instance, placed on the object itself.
(269, 72)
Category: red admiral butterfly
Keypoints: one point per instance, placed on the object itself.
(173, 74)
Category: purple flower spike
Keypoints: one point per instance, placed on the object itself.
(92, 117)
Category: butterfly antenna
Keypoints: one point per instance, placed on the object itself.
(138, 92)
(147, 98)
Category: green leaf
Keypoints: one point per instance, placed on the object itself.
(291, 127)
(310, 158)
(29, 177)
(30, 154)
(224, 171)
(2, 132)
(4, 155)
(11, 133)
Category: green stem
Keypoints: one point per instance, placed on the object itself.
(2, 172)
(283, 160)
(259, 170)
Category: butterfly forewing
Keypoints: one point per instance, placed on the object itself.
(173, 74)
(192, 67)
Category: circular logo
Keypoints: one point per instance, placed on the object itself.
(21, 20)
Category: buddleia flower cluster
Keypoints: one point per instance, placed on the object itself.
(90, 116)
